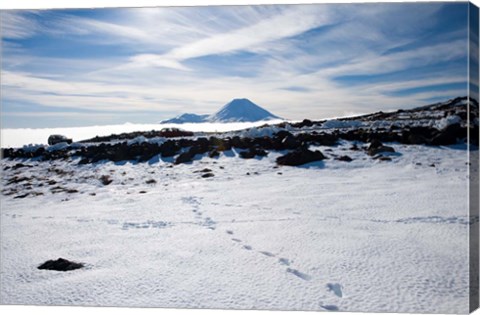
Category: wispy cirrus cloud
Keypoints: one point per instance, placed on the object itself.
(16, 25)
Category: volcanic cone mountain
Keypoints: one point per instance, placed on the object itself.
(238, 110)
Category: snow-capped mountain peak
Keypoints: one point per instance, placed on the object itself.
(241, 110)
(237, 110)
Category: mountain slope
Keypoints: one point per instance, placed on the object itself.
(186, 118)
(241, 110)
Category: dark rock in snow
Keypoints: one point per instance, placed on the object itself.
(21, 196)
(449, 135)
(199, 149)
(344, 158)
(84, 161)
(252, 152)
(213, 154)
(202, 145)
(290, 142)
(185, 157)
(383, 148)
(20, 165)
(383, 158)
(307, 123)
(377, 147)
(220, 144)
(207, 175)
(416, 139)
(241, 143)
(169, 148)
(374, 144)
(282, 134)
(60, 265)
(105, 179)
(426, 132)
(300, 157)
(205, 170)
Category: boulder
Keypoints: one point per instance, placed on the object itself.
(449, 135)
(252, 152)
(220, 144)
(214, 153)
(344, 158)
(185, 157)
(241, 143)
(289, 142)
(376, 147)
(60, 265)
(300, 157)
(414, 138)
(105, 180)
(205, 170)
(169, 148)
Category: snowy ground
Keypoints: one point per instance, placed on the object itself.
(361, 236)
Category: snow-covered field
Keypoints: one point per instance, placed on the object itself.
(367, 235)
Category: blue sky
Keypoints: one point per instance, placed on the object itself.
(107, 66)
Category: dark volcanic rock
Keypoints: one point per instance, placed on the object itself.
(289, 142)
(21, 196)
(252, 152)
(300, 157)
(185, 157)
(169, 148)
(374, 144)
(242, 143)
(382, 158)
(449, 135)
(220, 144)
(304, 123)
(213, 154)
(20, 165)
(60, 265)
(84, 161)
(416, 139)
(377, 147)
(205, 170)
(419, 134)
(106, 180)
(344, 158)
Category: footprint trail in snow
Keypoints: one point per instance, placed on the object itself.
(209, 223)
